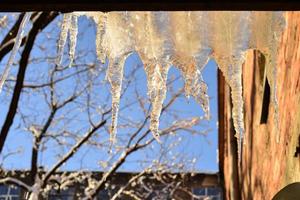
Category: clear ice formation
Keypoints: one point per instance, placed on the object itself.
(64, 30)
(228, 49)
(191, 57)
(18, 41)
(73, 37)
(69, 26)
(186, 40)
(266, 28)
(117, 44)
(154, 48)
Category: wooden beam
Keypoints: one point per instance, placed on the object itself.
(146, 5)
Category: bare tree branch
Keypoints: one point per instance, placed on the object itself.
(73, 150)
(15, 181)
(8, 41)
(42, 21)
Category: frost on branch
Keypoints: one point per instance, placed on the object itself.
(15, 49)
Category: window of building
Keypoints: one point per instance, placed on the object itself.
(103, 195)
(9, 192)
(205, 193)
(62, 195)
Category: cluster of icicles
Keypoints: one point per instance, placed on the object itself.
(186, 40)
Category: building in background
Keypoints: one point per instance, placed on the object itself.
(148, 187)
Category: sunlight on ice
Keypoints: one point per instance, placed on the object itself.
(186, 40)
(15, 49)
(65, 26)
(228, 49)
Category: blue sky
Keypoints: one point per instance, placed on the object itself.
(203, 148)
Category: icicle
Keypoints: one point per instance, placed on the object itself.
(266, 29)
(229, 47)
(148, 42)
(155, 49)
(100, 20)
(161, 22)
(73, 37)
(115, 76)
(237, 102)
(194, 84)
(198, 89)
(15, 49)
(65, 26)
(164, 38)
(118, 45)
(117, 40)
(276, 104)
(187, 54)
(157, 89)
(278, 27)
